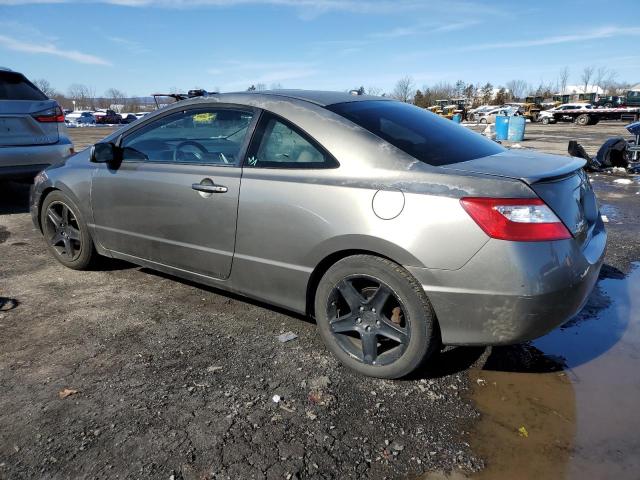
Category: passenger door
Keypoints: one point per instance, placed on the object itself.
(173, 200)
(281, 215)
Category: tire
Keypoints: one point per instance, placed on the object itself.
(483, 120)
(399, 336)
(608, 105)
(67, 238)
(545, 121)
(583, 120)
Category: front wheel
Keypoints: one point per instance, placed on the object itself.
(66, 232)
(545, 121)
(375, 317)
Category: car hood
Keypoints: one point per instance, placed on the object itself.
(525, 165)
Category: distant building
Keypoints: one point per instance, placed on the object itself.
(578, 89)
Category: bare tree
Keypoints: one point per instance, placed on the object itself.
(261, 87)
(585, 77)
(609, 82)
(377, 91)
(404, 90)
(439, 91)
(117, 98)
(276, 86)
(45, 87)
(518, 88)
(134, 104)
(81, 95)
(563, 78)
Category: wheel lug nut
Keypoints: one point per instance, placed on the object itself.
(368, 328)
(361, 308)
(358, 320)
(378, 323)
(373, 310)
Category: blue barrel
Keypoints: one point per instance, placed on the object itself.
(502, 127)
(516, 129)
(457, 117)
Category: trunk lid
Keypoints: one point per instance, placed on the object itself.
(18, 127)
(559, 181)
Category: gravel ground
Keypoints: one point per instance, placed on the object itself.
(162, 378)
(175, 379)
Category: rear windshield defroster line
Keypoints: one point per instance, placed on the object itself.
(422, 134)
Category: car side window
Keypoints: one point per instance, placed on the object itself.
(278, 144)
(212, 136)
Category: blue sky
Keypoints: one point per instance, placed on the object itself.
(143, 46)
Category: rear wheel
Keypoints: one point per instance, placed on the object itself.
(66, 232)
(545, 121)
(375, 317)
(583, 120)
(483, 120)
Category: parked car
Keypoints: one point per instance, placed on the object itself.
(398, 230)
(81, 118)
(128, 118)
(142, 114)
(474, 112)
(554, 115)
(490, 115)
(32, 130)
(608, 101)
(107, 117)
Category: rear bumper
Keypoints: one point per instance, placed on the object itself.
(22, 162)
(511, 292)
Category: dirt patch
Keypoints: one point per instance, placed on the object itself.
(169, 378)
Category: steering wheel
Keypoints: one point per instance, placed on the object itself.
(189, 143)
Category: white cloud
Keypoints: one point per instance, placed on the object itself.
(130, 45)
(599, 33)
(308, 7)
(424, 28)
(49, 48)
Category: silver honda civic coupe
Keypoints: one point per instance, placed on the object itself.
(397, 230)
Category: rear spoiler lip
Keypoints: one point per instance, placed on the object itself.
(566, 167)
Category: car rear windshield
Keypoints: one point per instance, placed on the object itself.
(418, 132)
(14, 86)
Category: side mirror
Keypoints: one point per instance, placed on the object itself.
(105, 152)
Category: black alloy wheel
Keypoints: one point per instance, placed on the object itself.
(375, 317)
(65, 232)
(62, 231)
(368, 320)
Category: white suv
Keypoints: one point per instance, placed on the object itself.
(33, 134)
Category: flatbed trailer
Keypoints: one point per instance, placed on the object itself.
(593, 116)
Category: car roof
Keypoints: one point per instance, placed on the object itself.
(320, 97)
(317, 97)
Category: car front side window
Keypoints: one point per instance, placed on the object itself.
(278, 144)
(212, 136)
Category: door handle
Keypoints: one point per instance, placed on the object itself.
(203, 187)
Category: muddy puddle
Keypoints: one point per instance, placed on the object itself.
(567, 406)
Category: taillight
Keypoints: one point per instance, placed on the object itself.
(516, 219)
(50, 115)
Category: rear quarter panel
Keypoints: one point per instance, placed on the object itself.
(290, 220)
